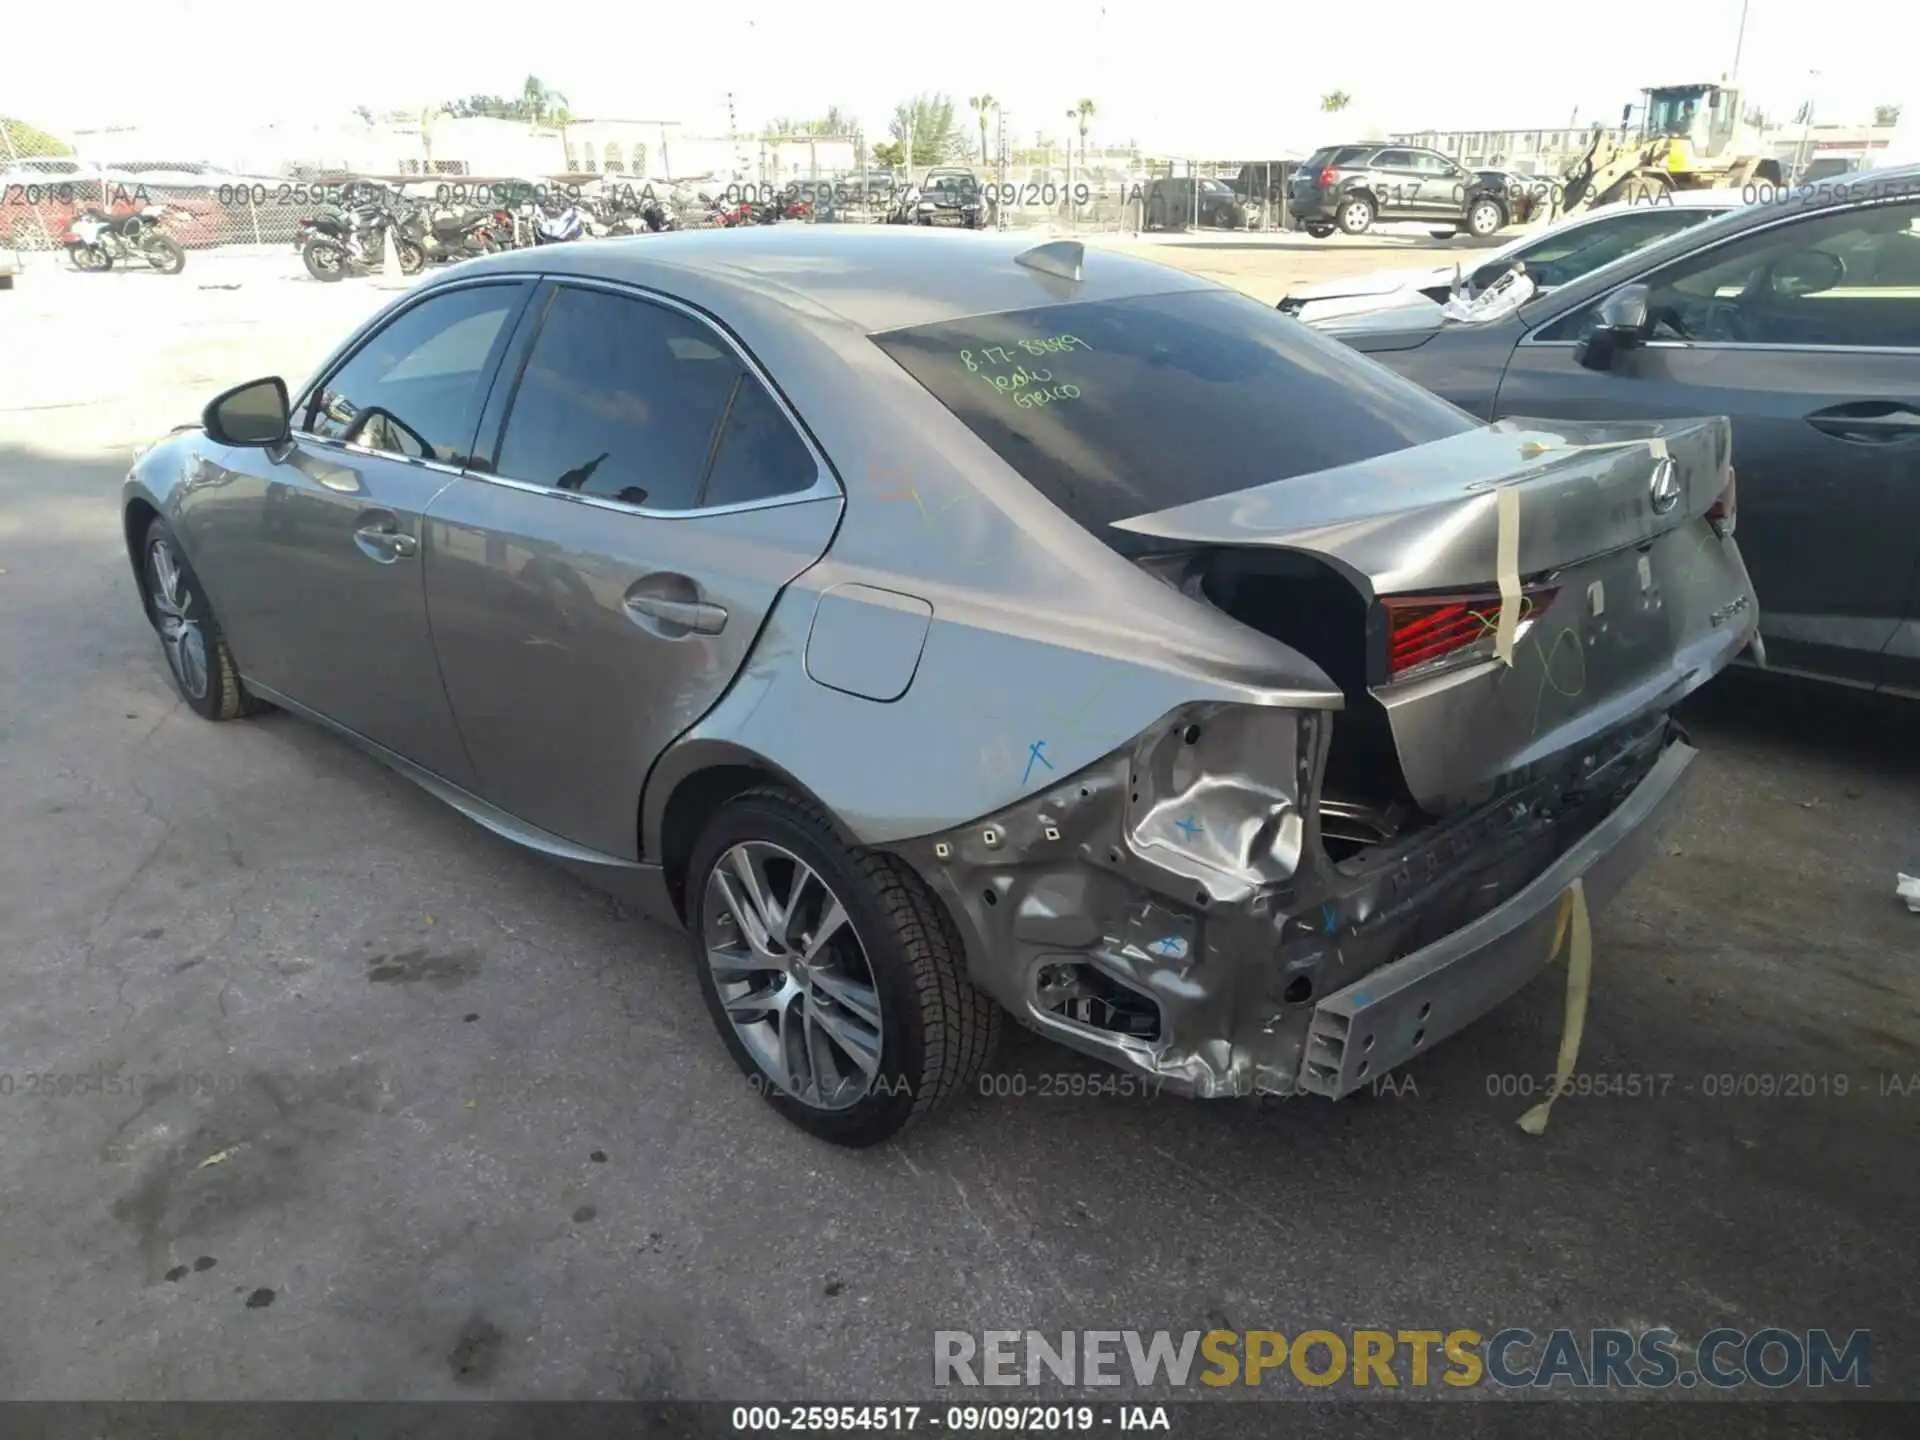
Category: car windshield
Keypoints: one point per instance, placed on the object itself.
(1119, 408)
(1557, 258)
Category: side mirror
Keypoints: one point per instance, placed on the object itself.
(1620, 323)
(256, 413)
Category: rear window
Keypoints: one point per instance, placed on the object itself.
(1120, 408)
(1334, 155)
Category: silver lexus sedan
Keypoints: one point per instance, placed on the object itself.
(938, 626)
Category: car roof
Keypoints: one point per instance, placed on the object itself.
(875, 278)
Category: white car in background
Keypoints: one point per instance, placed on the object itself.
(1553, 254)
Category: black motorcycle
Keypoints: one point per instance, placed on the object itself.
(96, 239)
(455, 234)
(340, 241)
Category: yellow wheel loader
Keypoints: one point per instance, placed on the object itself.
(1689, 137)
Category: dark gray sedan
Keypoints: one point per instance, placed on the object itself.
(1799, 319)
(939, 627)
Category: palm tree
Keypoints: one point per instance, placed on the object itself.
(982, 104)
(539, 100)
(1335, 101)
(1083, 112)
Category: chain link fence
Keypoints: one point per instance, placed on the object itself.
(1048, 186)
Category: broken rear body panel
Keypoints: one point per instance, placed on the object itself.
(1233, 905)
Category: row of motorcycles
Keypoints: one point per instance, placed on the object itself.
(351, 238)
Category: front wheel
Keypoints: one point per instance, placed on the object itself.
(324, 259)
(835, 977)
(89, 257)
(1356, 215)
(413, 258)
(196, 650)
(1485, 217)
(164, 254)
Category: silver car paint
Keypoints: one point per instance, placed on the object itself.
(1085, 762)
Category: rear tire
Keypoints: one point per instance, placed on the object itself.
(1356, 215)
(413, 258)
(856, 1017)
(197, 655)
(325, 261)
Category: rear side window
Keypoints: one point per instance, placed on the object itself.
(1121, 408)
(641, 403)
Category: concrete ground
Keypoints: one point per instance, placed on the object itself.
(397, 1111)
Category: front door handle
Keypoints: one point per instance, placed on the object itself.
(700, 616)
(1875, 422)
(393, 543)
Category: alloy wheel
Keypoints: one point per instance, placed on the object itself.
(181, 634)
(792, 975)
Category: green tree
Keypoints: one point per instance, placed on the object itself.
(926, 124)
(835, 122)
(890, 153)
(1334, 101)
(982, 106)
(1886, 114)
(1083, 111)
(541, 103)
(23, 141)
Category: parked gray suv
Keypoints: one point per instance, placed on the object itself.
(1352, 187)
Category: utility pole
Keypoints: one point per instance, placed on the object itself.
(1739, 42)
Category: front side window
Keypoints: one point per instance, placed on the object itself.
(640, 403)
(1848, 278)
(1393, 160)
(1119, 408)
(413, 389)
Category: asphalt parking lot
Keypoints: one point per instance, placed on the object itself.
(404, 1113)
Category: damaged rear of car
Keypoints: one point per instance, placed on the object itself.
(1283, 899)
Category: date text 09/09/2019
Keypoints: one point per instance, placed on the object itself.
(957, 1419)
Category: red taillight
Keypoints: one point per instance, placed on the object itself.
(1329, 177)
(1724, 511)
(1424, 630)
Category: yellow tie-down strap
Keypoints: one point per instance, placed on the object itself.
(1506, 557)
(1571, 928)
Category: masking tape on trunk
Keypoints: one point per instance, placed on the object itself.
(1572, 928)
(1507, 569)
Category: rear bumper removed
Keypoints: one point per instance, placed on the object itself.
(1404, 1008)
(1104, 913)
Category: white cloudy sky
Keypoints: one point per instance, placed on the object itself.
(1172, 76)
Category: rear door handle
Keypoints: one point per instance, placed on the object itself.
(700, 616)
(1870, 421)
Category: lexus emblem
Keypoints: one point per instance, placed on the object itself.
(1663, 490)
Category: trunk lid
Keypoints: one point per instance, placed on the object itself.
(1623, 594)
